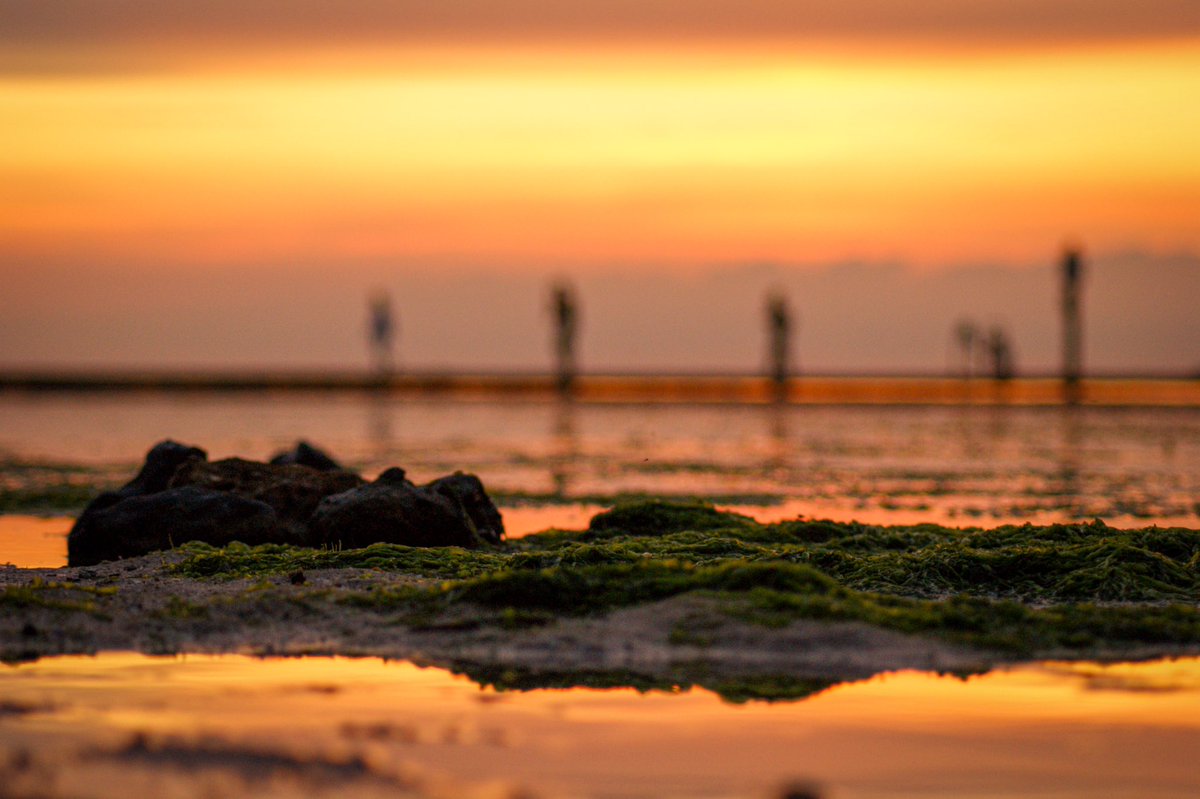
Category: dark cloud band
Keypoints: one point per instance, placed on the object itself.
(261, 22)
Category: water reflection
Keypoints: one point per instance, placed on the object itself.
(119, 725)
(381, 432)
(564, 450)
(779, 453)
(1069, 485)
(971, 434)
(737, 690)
(1128, 466)
(31, 542)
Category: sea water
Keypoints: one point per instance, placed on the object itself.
(960, 465)
(121, 725)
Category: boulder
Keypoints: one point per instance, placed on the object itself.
(466, 490)
(159, 467)
(137, 525)
(302, 498)
(452, 511)
(293, 491)
(305, 454)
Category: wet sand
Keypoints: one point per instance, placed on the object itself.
(730, 708)
(138, 605)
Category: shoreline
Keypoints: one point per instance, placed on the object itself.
(159, 615)
(683, 640)
(1167, 391)
(615, 605)
(136, 605)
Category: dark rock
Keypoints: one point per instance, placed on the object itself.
(394, 475)
(467, 491)
(138, 525)
(305, 454)
(302, 497)
(163, 459)
(802, 790)
(393, 510)
(293, 491)
(155, 475)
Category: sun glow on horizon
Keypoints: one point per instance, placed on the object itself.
(612, 157)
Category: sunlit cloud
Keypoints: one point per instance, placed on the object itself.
(614, 157)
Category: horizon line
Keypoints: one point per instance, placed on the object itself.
(718, 388)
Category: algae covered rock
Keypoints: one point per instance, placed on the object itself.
(304, 499)
(162, 461)
(138, 525)
(294, 491)
(450, 511)
(467, 492)
(661, 517)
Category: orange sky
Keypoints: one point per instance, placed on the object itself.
(309, 152)
(963, 135)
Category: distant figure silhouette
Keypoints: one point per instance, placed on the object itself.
(966, 334)
(1072, 275)
(779, 330)
(566, 323)
(1000, 355)
(381, 332)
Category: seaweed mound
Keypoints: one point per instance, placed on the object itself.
(658, 517)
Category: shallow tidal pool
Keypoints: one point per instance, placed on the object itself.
(120, 725)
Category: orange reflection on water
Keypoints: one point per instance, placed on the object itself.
(1047, 729)
(33, 542)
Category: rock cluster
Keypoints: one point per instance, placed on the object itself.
(300, 497)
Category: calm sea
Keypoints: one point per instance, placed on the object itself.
(965, 464)
(119, 723)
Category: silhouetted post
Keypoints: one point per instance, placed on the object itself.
(966, 334)
(779, 329)
(381, 333)
(1000, 354)
(566, 324)
(1072, 370)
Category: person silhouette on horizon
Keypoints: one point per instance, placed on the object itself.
(566, 323)
(779, 330)
(1000, 355)
(1072, 368)
(381, 333)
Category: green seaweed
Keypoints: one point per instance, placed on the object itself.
(739, 690)
(32, 486)
(56, 497)
(1019, 589)
(67, 597)
(775, 594)
(238, 560)
(507, 678)
(659, 517)
(769, 688)
(180, 609)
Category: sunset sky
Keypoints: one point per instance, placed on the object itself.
(151, 146)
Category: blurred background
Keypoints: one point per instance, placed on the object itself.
(219, 185)
(492, 232)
